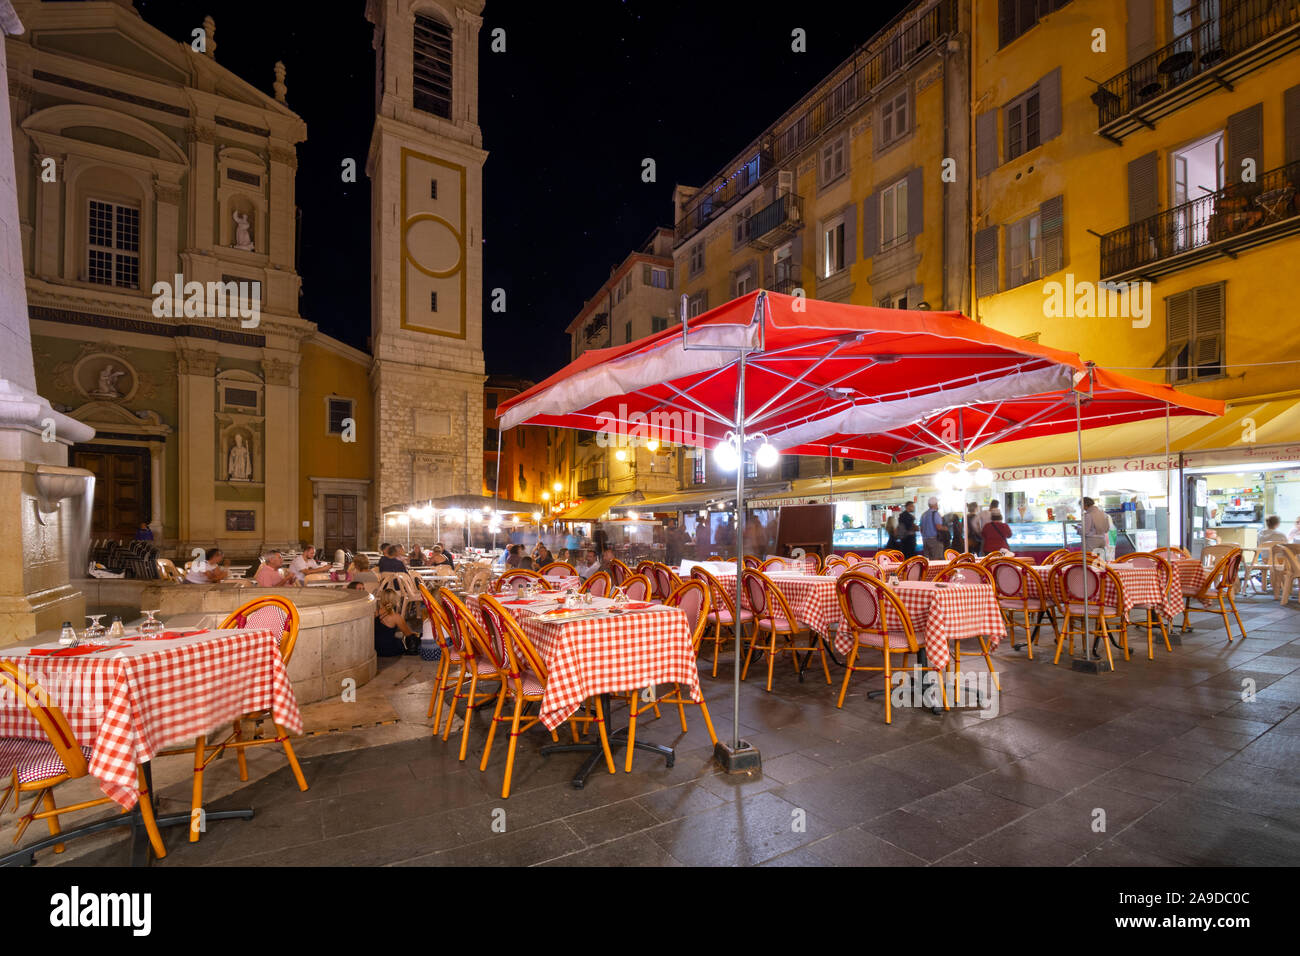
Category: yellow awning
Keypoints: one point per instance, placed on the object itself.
(591, 509)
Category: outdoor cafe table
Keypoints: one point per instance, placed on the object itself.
(942, 613)
(606, 654)
(812, 597)
(1141, 589)
(128, 702)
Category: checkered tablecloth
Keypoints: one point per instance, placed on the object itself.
(607, 655)
(1141, 589)
(129, 703)
(812, 598)
(1194, 575)
(940, 615)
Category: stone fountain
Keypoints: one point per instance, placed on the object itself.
(35, 593)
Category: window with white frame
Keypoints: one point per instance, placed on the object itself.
(697, 259)
(894, 117)
(113, 244)
(896, 301)
(1021, 120)
(1024, 251)
(742, 227)
(337, 411)
(745, 281)
(833, 247)
(833, 161)
(695, 305)
(893, 214)
(658, 278)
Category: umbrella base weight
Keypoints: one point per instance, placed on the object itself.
(742, 759)
(1090, 666)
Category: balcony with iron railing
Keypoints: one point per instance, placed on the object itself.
(1220, 223)
(776, 222)
(893, 51)
(786, 284)
(1208, 57)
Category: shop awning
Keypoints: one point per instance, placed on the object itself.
(591, 509)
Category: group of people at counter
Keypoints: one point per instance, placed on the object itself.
(980, 530)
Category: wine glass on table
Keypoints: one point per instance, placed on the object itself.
(95, 630)
(150, 625)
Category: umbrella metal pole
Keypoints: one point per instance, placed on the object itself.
(496, 488)
(1169, 509)
(1083, 526)
(740, 548)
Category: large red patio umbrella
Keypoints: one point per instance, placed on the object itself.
(766, 362)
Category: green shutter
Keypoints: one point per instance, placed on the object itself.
(1051, 216)
(986, 261)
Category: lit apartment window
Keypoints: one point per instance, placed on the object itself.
(432, 68)
(113, 244)
(1024, 251)
(833, 248)
(893, 214)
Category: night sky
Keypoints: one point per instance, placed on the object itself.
(568, 113)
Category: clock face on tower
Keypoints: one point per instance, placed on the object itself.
(433, 228)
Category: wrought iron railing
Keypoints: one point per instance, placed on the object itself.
(787, 283)
(1196, 52)
(785, 210)
(721, 193)
(1215, 217)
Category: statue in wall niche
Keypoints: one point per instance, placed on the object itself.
(243, 232)
(239, 465)
(107, 387)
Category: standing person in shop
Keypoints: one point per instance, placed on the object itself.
(932, 531)
(907, 530)
(996, 533)
(1095, 527)
(974, 523)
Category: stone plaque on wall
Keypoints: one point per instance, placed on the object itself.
(241, 520)
(431, 424)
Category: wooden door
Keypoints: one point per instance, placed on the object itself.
(121, 489)
(340, 523)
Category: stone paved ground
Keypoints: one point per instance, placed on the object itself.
(1186, 772)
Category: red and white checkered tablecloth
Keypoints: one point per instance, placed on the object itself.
(1142, 589)
(940, 615)
(130, 703)
(1194, 575)
(607, 654)
(812, 598)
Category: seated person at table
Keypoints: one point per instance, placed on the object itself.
(393, 636)
(416, 559)
(273, 573)
(586, 565)
(305, 562)
(359, 571)
(995, 533)
(542, 556)
(1272, 535)
(391, 562)
(519, 558)
(209, 569)
(439, 557)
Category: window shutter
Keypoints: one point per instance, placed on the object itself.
(915, 207)
(1245, 132)
(915, 296)
(851, 235)
(1141, 29)
(1051, 217)
(796, 257)
(1049, 106)
(871, 225)
(1006, 21)
(1291, 124)
(986, 261)
(986, 142)
(1143, 189)
(645, 274)
(1178, 331)
(1208, 329)
(670, 277)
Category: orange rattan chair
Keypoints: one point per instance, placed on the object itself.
(1076, 588)
(558, 569)
(524, 682)
(1165, 572)
(271, 613)
(693, 598)
(950, 554)
(893, 554)
(772, 614)
(967, 558)
(1057, 555)
(834, 561)
(618, 572)
(1172, 553)
(506, 583)
(1022, 591)
(965, 573)
(598, 584)
(722, 611)
(636, 587)
(852, 556)
(879, 622)
(663, 581)
(1220, 585)
(751, 562)
(38, 766)
(443, 634)
(480, 659)
(779, 564)
(913, 569)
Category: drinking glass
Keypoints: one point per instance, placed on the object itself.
(95, 630)
(150, 625)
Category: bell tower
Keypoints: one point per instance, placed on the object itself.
(426, 185)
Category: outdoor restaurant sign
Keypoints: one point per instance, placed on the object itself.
(1246, 455)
